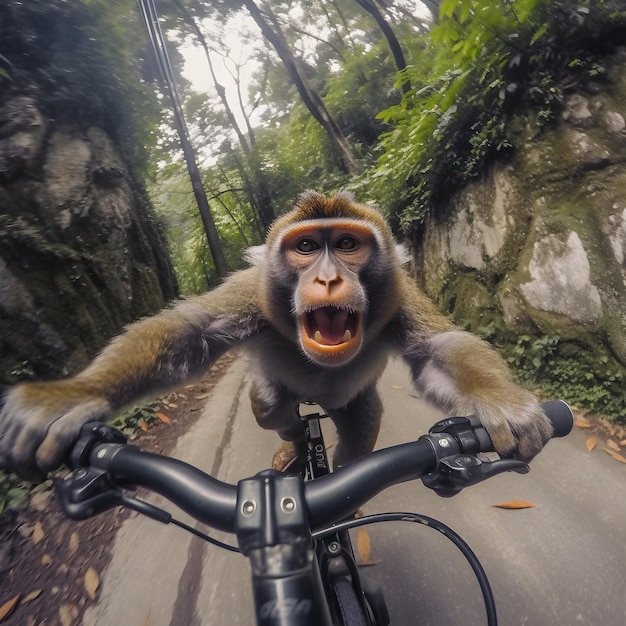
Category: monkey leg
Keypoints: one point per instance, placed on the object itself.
(358, 424)
(275, 409)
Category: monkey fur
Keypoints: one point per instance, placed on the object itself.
(323, 305)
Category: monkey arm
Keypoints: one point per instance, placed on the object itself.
(463, 375)
(40, 420)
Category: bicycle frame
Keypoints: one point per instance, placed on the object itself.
(335, 554)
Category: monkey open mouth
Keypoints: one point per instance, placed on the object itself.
(329, 326)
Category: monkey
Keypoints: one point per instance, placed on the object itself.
(324, 303)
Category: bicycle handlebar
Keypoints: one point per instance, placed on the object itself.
(446, 457)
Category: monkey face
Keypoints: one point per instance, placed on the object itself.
(329, 301)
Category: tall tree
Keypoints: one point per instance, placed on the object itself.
(270, 27)
(157, 41)
(390, 36)
(260, 196)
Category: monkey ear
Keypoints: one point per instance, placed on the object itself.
(255, 255)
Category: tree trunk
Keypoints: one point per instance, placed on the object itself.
(158, 45)
(310, 97)
(390, 36)
(263, 206)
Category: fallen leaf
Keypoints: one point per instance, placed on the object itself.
(202, 396)
(67, 614)
(364, 545)
(615, 455)
(7, 608)
(581, 422)
(38, 533)
(40, 501)
(74, 543)
(611, 444)
(144, 426)
(164, 418)
(622, 442)
(92, 582)
(515, 504)
(591, 443)
(146, 622)
(46, 560)
(31, 596)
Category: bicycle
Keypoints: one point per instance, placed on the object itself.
(293, 525)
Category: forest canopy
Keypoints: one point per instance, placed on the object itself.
(401, 102)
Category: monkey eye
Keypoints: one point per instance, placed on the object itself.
(347, 244)
(306, 246)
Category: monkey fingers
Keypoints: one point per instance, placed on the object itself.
(519, 433)
(34, 440)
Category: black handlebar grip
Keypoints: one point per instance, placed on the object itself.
(560, 415)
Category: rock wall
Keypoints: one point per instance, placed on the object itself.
(80, 251)
(539, 246)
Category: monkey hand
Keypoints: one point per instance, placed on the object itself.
(40, 421)
(519, 429)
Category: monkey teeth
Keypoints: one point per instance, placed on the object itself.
(329, 327)
(318, 336)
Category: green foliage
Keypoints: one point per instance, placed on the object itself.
(136, 418)
(572, 371)
(84, 58)
(12, 491)
(480, 63)
(232, 212)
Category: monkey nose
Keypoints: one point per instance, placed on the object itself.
(329, 282)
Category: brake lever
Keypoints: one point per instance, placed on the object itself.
(458, 471)
(87, 491)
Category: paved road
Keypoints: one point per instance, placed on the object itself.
(560, 563)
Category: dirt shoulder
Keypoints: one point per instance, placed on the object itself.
(52, 565)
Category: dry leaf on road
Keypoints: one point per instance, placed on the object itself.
(515, 504)
(581, 422)
(616, 455)
(7, 608)
(38, 533)
(164, 418)
(92, 582)
(364, 545)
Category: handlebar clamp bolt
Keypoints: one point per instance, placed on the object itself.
(248, 508)
(334, 547)
(288, 505)
(444, 443)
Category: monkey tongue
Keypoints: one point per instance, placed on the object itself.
(330, 325)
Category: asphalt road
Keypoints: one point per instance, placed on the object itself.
(560, 563)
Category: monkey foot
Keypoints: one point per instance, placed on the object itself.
(287, 459)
